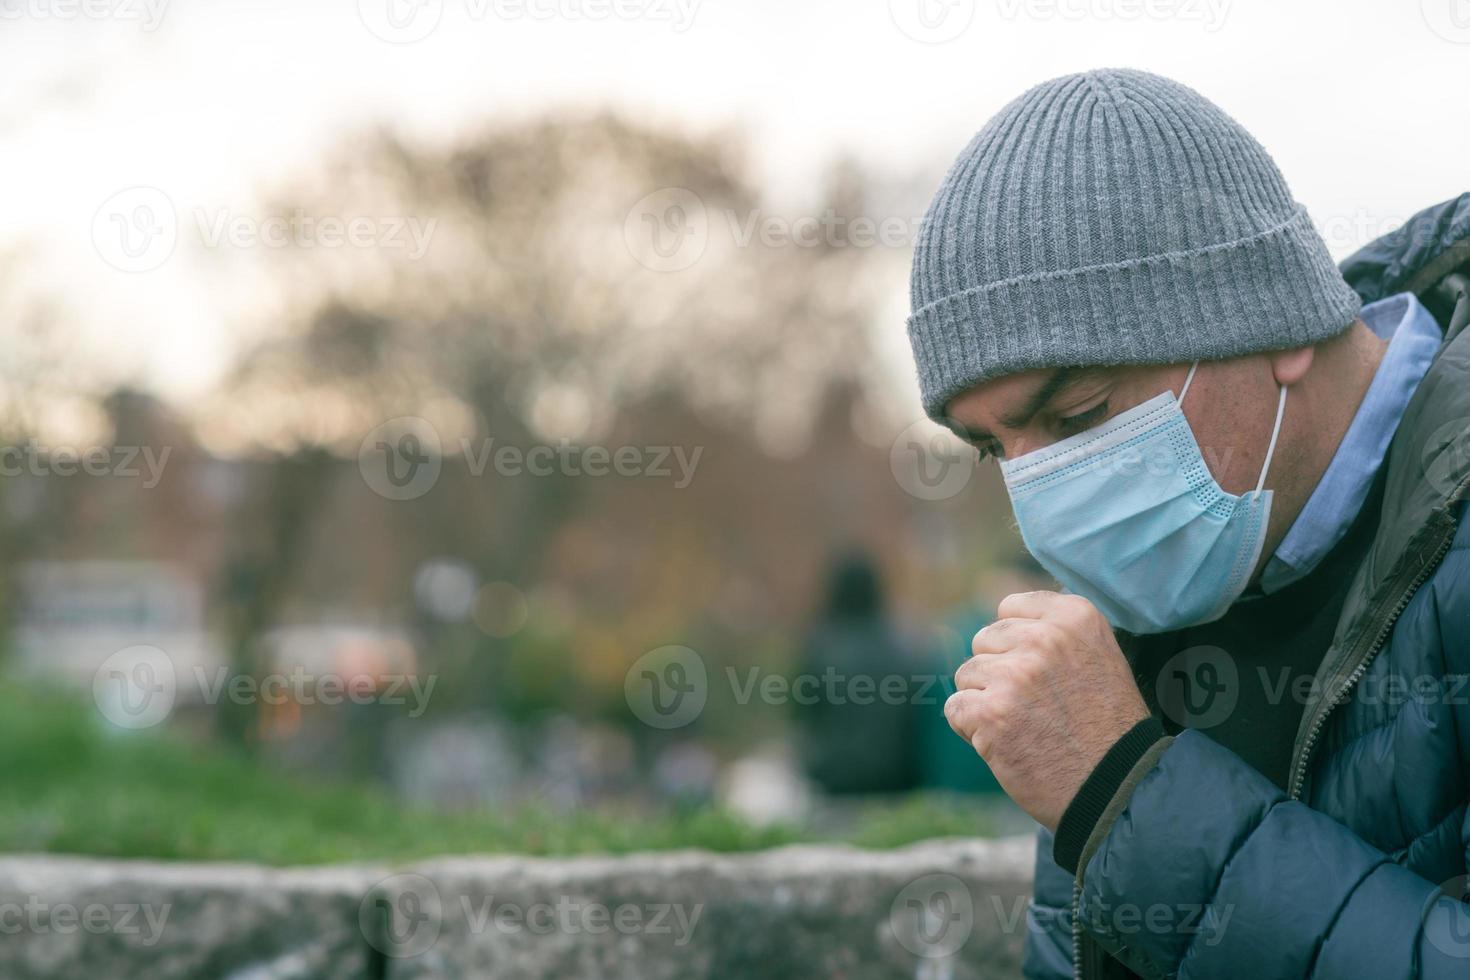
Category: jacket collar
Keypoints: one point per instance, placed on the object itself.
(1428, 475)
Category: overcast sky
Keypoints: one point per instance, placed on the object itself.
(1361, 102)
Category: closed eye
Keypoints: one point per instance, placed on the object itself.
(1072, 424)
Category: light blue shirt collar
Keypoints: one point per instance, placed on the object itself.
(1413, 340)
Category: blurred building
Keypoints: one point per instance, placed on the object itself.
(73, 615)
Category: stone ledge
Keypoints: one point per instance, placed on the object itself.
(945, 908)
(181, 921)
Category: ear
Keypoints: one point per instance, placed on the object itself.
(1290, 366)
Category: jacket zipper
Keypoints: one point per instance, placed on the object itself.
(1077, 931)
(1380, 635)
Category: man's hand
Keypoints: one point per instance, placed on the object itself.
(1044, 697)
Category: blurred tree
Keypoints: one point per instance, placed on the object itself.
(535, 313)
(34, 381)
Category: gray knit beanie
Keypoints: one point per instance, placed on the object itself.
(1113, 217)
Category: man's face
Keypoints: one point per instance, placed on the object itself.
(1230, 407)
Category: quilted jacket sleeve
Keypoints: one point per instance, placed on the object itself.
(1049, 918)
(1211, 872)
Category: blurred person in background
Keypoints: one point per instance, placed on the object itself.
(1248, 468)
(857, 735)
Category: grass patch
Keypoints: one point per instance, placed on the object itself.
(72, 786)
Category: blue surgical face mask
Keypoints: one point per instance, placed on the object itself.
(1128, 516)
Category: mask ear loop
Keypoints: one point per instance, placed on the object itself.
(1187, 380)
(1275, 431)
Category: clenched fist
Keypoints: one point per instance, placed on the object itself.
(1044, 697)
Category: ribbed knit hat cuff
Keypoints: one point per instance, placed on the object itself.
(1270, 291)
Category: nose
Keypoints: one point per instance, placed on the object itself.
(1021, 443)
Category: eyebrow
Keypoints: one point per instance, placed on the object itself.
(1049, 389)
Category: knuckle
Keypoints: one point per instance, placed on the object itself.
(1077, 608)
(955, 708)
(964, 714)
(1028, 671)
(964, 678)
(1050, 637)
(1007, 605)
(990, 631)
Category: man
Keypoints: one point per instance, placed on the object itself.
(1244, 725)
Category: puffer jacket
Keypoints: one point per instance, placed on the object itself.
(1203, 868)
